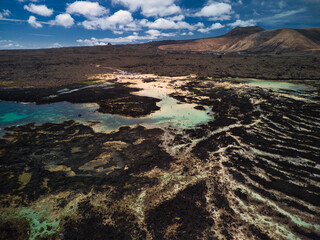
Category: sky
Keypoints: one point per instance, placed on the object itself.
(32, 24)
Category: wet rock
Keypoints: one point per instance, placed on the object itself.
(200, 108)
(132, 105)
(91, 224)
(14, 229)
(71, 156)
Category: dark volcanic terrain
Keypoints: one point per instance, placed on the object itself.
(65, 66)
(248, 170)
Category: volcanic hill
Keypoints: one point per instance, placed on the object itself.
(254, 40)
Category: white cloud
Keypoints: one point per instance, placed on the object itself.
(9, 44)
(41, 10)
(151, 34)
(214, 26)
(33, 22)
(64, 20)
(151, 8)
(119, 19)
(189, 33)
(87, 9)
(215, 9)
(5, 13)
(118, 32)
(132, 26)
(162, 23)
(199, 24)
(55, 45)
(176, 18)
(220, 18)
(13, 20)
(242, 23)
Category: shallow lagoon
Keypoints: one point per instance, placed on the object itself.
(276, 85)
(172, 113)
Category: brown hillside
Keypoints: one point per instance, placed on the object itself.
(254, 40)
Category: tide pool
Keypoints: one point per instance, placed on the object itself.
(171, 113)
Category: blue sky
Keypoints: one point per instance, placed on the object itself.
(28, 24)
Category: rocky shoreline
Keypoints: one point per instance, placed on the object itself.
(251, 172)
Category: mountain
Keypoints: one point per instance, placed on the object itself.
(254, 40)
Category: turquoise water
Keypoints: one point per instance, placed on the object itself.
(278, 85)
(13, 113)
(41, 223)
(171, 114)
(291, 89)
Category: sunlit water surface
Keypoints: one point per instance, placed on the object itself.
(171, 114)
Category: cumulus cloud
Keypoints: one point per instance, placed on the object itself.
(41, 10)
(87, 9)
(243, 23)
(5, 13)
(162, 23)
(118, 32)
(151, 34)
(221, 18)
(177, 18)
(34, 23)
(156, 33)
(64, 20)
(151, 8)
(215, 9)
(119, 19)
(214, 26)
(56, 45)
(132, 26)
(189, 34)
(9, 44)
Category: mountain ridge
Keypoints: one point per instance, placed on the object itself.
(253, 40)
